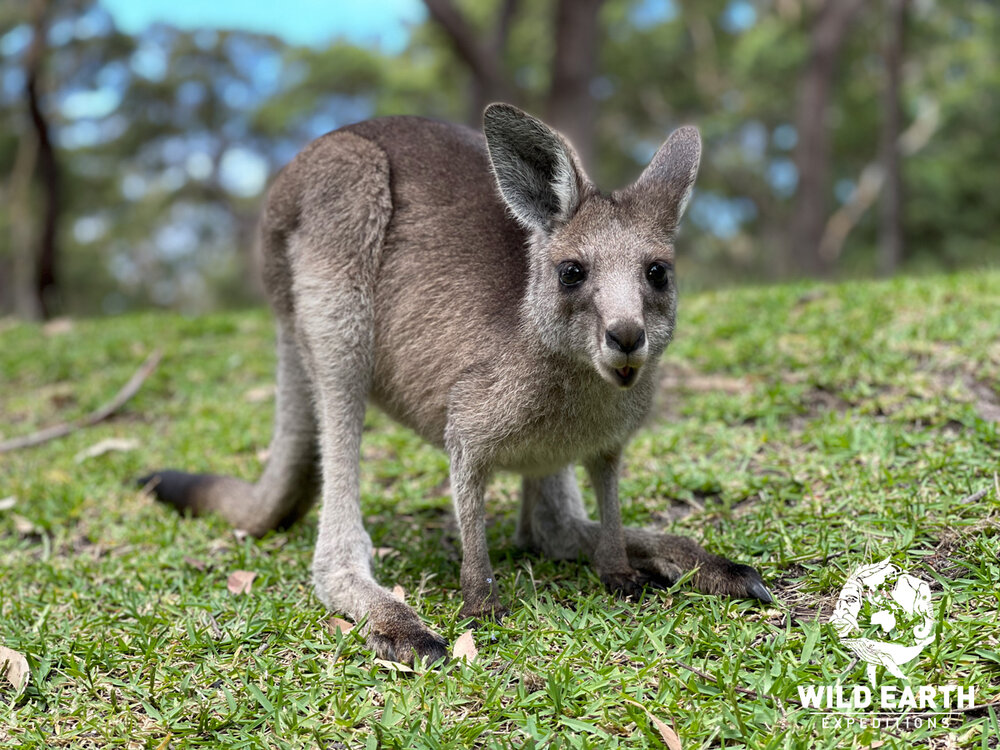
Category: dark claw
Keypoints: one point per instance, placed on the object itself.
(407, 647)
(742, 581)
(759, 591)
(432, 648)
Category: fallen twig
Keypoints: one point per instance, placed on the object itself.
(870, 183)
(975, 496)
(99, 415)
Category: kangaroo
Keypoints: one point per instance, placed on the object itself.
(484, 293)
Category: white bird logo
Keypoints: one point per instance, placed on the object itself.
(910, 594)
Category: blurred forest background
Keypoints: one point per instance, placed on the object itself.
(842, 137)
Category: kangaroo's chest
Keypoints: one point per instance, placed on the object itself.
(540, 425)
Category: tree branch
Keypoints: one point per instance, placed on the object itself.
(870, 183)
(483, 60)
(481, 64)
(505, 20)
(98, 415)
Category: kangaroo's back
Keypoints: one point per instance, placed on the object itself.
(451, 268)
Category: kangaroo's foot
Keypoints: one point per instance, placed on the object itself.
(397, 634)
(664, 558)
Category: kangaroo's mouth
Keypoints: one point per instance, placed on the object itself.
(626, 376)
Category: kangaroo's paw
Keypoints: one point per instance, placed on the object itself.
(405, 640)
(664, 558)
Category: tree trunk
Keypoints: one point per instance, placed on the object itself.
(571, 106)
(812, 153)
(891, 224)
(46, 257)
(22, 278)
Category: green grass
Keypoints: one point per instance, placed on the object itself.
(803, 429)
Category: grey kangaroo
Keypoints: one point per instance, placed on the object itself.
(484, 293)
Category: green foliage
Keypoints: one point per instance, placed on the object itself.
(803, 429)
(953, 199)
(151, 217)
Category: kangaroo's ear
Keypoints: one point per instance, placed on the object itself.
(536, 170)
(665, 186)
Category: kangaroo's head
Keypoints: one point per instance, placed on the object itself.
(601, 286)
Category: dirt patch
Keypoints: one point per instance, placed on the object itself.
(945, 561)
(677, 510)
(986, 399)
(944, 364)
(678, 380)
(800, 605)
(938, 371)
(947, 558)
(818, 402)
(676, 377)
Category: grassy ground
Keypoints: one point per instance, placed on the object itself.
(803, 429)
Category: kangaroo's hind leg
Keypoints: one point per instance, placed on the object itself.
(554, 522)
(290, 480)
(335, 255)
(340, 359)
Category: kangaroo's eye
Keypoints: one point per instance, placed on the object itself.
(658, 274)
(570, 273)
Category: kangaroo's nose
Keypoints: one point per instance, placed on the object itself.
(625, 337)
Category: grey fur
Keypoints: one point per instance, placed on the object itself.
(399, 276)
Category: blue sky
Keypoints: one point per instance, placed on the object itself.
(312, 22)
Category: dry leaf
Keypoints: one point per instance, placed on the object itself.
(240, 581)
(263, 454)
(165, 743)
(106, 446)
(8, 502)
(195, 563)
(669, 735)
(14, 667)
(340, 626)
(465, 647)
(23, 526)
(381, 552)
(57, 327)
(394, 666)
(260, 393)
(399, 592)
